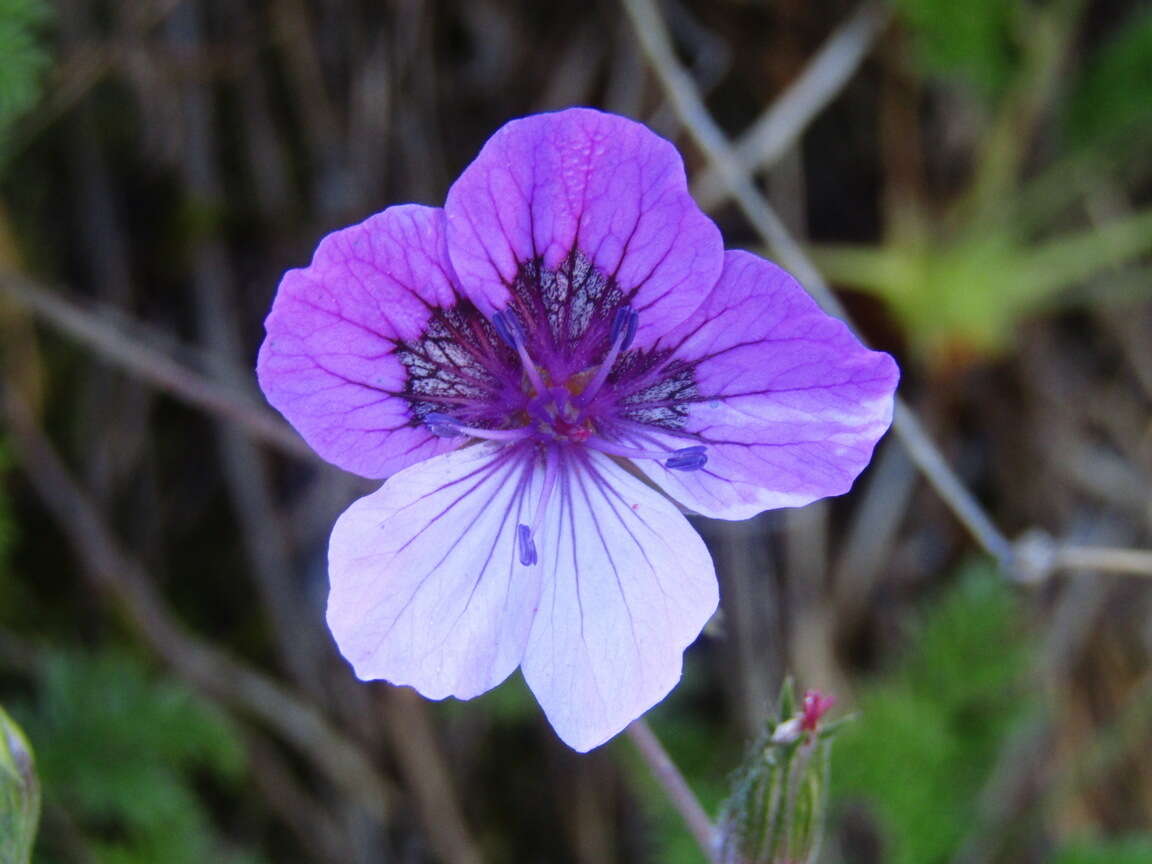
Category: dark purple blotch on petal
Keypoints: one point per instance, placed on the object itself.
(557, 360)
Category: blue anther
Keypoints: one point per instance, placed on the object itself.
(527, 545)
(508, 328)
(626, 321)
(441, 425)
(687, 459)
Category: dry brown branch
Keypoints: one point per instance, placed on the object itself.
(219, 675)
(654, 39)
(295, 628)
(112, 342)
(783, 123)
(428, 775)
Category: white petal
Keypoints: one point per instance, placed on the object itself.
(426, 584)
(627, 585)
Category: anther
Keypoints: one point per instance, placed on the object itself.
(527, 545)
(443, 426)
(687, 459)
(508, 328)
(626, 321)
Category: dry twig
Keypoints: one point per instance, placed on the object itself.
(686, 100)
(207, 668)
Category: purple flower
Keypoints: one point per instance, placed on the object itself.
(543, 369)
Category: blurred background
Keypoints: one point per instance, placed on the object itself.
(974, 177)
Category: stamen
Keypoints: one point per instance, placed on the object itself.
(684, 459)
(687, 459)
(524, 532)
(527, 545)
(443, 426)
(623, 332)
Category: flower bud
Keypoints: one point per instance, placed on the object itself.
(776, 812)
(19, 794)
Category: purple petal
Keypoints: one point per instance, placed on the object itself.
(426, 585)
(627, 586)
(328, 362)
(578, 188)
(788, 404)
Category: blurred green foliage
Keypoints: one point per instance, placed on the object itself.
(19, 794)
(121, 751)
(22, 24)
(1113, 95)
(959, 278)
(966, 293)
(972, 39)
(929, 729)
(1127, 850)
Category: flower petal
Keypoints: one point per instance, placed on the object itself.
(580, 187)
(426, 586)
(328, 363)
(788, 403)
(627, 586)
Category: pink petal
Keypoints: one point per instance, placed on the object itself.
(627, 585)
(327, 363)
(790, 404)
(426, 586)
(600, 185)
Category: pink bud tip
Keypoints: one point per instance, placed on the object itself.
(816, 705)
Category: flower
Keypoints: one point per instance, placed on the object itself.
(542, 368)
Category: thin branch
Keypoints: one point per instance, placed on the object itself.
(785, 120)
(113, 344)
(1103, 559)
(689, 106)
(1039, 556)
(676, 787)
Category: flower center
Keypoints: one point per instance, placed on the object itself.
(564, 403)
(557, 414)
